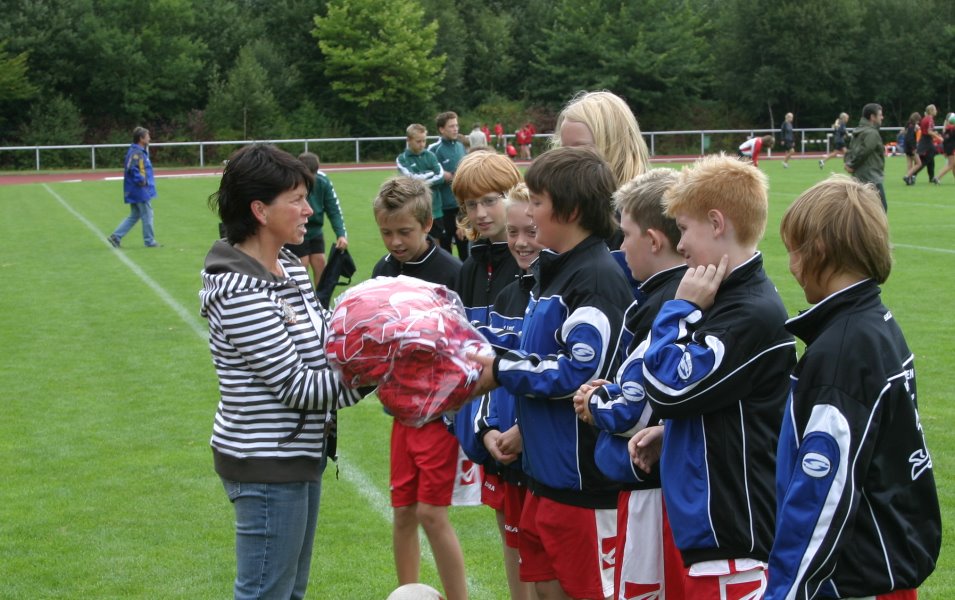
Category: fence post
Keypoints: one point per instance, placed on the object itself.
(357, 155)
(653, 145)
(93, 156)
(37, 158)
(202, 154)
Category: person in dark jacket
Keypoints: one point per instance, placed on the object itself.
(858, 513)
(865, 159)
(570, 336)
(139, 189)
(646, 558)
(716, 369)
(423, 459)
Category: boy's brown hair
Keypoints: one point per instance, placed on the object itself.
(838, 225)
(402, 193)
(718, 182)
(442, 119)
(580, 185)
(641, 199)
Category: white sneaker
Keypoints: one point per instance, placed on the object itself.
(785, 165)
(822, 163)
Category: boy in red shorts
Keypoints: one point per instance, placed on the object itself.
(569, 336)
(423, 459)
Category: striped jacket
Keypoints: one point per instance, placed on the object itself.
(278, 394)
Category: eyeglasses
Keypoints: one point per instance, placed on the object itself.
(486, 202)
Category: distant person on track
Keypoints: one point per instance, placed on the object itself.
(926, 146)
(788, 139)
(139, 188)
(912, 160)
(948, 147)
(865, 159)
(751, 148)
(839, 134)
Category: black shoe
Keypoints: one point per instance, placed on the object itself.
(113, 241)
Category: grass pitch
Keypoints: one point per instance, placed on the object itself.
(108, 392)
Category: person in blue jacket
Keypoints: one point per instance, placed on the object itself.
(857, 508)
(139, 188)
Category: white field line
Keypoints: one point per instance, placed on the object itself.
(924, 248)
(378, 501)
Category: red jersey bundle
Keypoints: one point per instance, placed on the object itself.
(410, 338)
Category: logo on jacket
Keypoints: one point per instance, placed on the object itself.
(815, 465)
(686, 366)
(583, 352)
(288, 313)
(921, 462)
(633, 391)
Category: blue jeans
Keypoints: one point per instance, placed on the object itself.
(138, 211)
(274, 532)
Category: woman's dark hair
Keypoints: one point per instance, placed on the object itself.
(256, 172)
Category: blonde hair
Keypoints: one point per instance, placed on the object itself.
(519, 194)
(401, 193)
(615, 130)
(641, 199)
(842, 117)
(838, 225)
(415, 129)
(718, 182)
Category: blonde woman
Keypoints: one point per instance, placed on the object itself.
(839, 134)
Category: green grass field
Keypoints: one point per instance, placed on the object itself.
(106, 481)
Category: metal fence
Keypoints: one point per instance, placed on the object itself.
(665, 143)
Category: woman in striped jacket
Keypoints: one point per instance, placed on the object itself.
(275, 425)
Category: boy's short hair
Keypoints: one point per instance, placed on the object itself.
(872, 109)
(769, 140)
(482, 173)
(139, 133)
(255, 172)
(579, 183)
(404, 193)
(839, 225)
(442, 119)
(735, 188)
(310, 160)
(416, 129)
(641, 199)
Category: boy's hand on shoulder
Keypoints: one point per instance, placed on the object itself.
(700, 285)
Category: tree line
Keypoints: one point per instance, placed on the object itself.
(88, 71)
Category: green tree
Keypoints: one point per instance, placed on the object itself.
(243, 105)
(14, 83)
(379, 57)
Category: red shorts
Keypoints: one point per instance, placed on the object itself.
(725, 580)
(896, 595)
(571, 544)
(492, 491)
(513, 506)
(423, 464)
(647, 559)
